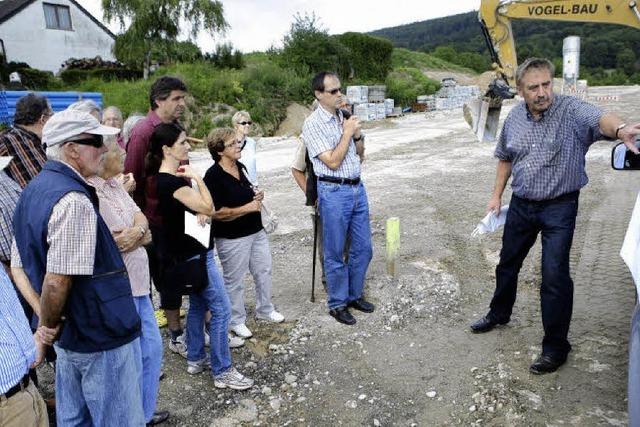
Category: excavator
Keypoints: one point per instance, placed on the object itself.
(495, 20)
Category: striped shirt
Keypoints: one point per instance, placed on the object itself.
(17, 348)
(322, 132)
(28, 154)
(117, 209)
(71, 236)
(9, 195)
(548, 155)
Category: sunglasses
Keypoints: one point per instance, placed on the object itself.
(245, 123)
(96, 141)
(334, 91)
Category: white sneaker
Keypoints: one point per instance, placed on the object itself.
(179, 346)
(241, 330)
(232, 379)
(198, 366)
(207, 339)
(274, 317)
(235, 342)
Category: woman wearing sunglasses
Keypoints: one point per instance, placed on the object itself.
(169, 147)
(242, 243)
(242, 125)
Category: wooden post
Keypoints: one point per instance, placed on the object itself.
(393, 245)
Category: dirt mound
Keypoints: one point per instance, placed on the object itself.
(481, 80)
(292, 125)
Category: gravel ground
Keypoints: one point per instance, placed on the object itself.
(414, 361)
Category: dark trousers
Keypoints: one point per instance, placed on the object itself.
(555, 220)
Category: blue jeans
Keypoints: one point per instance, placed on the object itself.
(213, 298)
(151, 355)
(634, 370)
(555, 219)
(99, 389)
(344, 210)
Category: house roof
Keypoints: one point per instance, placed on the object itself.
(9, 8)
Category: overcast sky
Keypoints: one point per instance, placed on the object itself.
(258, 24)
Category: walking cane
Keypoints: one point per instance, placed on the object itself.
(315, 245)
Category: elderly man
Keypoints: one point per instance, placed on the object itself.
(71, 259)
(112, 116)
(167, 98)
(332, 143)
(22, 142)
(543, 145)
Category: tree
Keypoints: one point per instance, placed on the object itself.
(156, 24)
(308, 48)
(370, 56)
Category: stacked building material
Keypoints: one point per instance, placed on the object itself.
(357, 94)
(388, 105)
(377, 93)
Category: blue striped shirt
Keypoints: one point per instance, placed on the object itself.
(322, 132)
(547, 155)
(17, 349)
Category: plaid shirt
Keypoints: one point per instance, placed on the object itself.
(9, 195)
(27, 151)
(322, 132)
(547, 155)
(71, 235)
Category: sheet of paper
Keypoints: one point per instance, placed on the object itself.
(630, 251)
(193, 229)
(4, 161)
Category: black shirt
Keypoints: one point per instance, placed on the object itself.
(229, 192)
(175, 243)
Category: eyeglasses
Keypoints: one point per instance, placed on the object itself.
(96, 141)
(334, 91)
(232, 144)
(245, 123)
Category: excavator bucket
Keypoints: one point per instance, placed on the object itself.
(483, 115)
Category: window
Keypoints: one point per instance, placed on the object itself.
(57, 16)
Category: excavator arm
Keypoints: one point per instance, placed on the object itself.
(495, 20)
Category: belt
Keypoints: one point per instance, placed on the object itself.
(562, 198)
(23, 384)
(344, 181)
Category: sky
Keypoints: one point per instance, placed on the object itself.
(255, 25)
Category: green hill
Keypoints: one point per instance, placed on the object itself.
(609, 52)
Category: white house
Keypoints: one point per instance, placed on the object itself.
(45, 33)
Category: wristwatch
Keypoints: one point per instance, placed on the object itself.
(618, 129)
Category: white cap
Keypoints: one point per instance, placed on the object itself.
(68, 124)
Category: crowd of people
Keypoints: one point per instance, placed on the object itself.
(92, 217)
(93, 211)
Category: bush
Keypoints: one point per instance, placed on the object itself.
(74, 76)
(404, 85)
(38, 80)
(308, 49)
(370, 56)
(225, 57)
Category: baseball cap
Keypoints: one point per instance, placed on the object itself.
(68, 124)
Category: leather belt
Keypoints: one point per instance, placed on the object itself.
(344, 181)
(21, 386)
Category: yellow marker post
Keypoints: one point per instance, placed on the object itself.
(393, 245)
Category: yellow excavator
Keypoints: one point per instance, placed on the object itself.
(495, 19)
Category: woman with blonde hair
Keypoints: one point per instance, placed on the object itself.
(242, 125)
